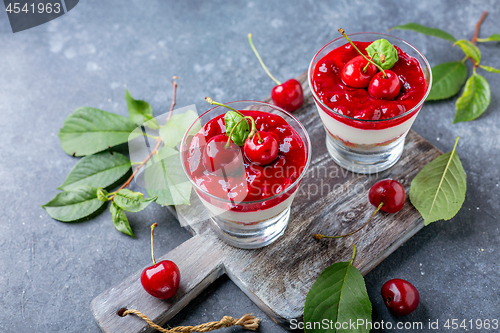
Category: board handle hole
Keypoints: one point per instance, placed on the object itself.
(121, 312)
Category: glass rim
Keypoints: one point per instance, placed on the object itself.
(294, 184)
(416, 107)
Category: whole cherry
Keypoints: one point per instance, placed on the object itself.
(222, 156)
(387, 195)
(261, 149)
(385, 85)
(400, 296)
(162, 279)
(288, 95)
(357, 72)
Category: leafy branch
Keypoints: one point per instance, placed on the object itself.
(93, 133)
(450, 77)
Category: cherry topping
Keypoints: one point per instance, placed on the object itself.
(288, 95)
(222, 156)
(358, 72)
(389, 192)
(385, 87)
(162, 279)
(262, 148)
(400, 296)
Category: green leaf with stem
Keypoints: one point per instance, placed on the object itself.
(490, 69)
(100, 170)
(174, 130)
(102, 194)
(74, 205)
(87, 131)
(438, 190)
(447, 80)
(120, 220)
(475, 99)
(469, 49)
(166, 179)
(383, 53)
(238, 127)
(338, 295)
(492, 38)
(426, 31)
(131, 201)
(140, 112)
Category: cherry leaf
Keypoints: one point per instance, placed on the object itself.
(383, 53)
(438, 190)
(469, 49)
(426, 31)
(120, 220)
(140, 112)
(447, 80)
(338, 296)
(131, 201)
(492, 38)
(173, 131)
(74, 205)
(240, 133)
(490, 69)
(100, 170)
(475, 99)
(87, 131)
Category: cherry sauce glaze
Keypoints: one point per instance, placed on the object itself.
(251, 183)
(356, 103)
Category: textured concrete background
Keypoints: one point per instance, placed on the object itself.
(50, 271)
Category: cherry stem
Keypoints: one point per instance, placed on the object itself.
(366, 58)
(174, 88)
(152, 250)
(212, 102)
(260, 60)
(319, 236)
(353, 253)
(478, 25)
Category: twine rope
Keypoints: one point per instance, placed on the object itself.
(247, 321)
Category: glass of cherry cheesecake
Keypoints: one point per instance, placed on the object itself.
(366, 110)
(246, 164)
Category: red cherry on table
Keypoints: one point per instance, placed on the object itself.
(385, 87)
(262, 148)
(400, 296)
(162, 279)
(354, 74)
(220, 158)
(288, 95)
(390, 192)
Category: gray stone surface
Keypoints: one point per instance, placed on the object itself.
(50, 271)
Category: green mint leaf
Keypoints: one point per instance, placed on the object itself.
(469, 49)
(175, 128)
(383, 53)
(74, 205)
(166, 179)
(492, 38)
(438, 190)
(240, 134)
(140, 112)
(426, 31)
(100, 170)
(475, 99)
(102, 194)
(490, 69)
(131, 201)
(447, 80)
(87, 131)
(120, 220)
(338, 295)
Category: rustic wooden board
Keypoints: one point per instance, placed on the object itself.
(277, 278)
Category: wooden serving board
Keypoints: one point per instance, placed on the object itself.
(277, 278)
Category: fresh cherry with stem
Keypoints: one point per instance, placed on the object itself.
(162, 279)
(288, 95)
(383, 85)
(222, 156)
(358, 72)
(400, 297)
(387, 195)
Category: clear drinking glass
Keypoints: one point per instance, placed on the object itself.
(245, 224)
(367, 146)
